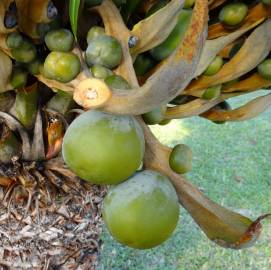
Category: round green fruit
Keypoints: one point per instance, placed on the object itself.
(214, 67)
(14, 40)
(264, 69)
(212, 92)
(104, 50)
(60, 40)
(180, 159)
(103, 148)
(233, 14)
(155, 116)
(25, 53)
(100, 72)
(94, 32)
(143, 211)
(117, 82)
(61, 66)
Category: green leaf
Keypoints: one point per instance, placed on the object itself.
(73, 11)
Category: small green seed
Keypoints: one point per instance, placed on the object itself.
(180, 159)
(14, 40)
(34, 67)
(155, 116)
(100, 72)
(264, 69)
(117, 82)
(18, 78)
(212, 92)
(94, 32)
(214, 67)
(233, 14)
(60, 40)
(25, 53)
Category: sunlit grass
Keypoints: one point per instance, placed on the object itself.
(232, 165)
(172, 132)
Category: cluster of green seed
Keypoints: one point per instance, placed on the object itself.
(103, 54)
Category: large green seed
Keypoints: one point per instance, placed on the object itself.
(104, 50)
(103, 148)
(264, 69)
(180, 159)
(233, 14)
(60, 40)
(61, 66)
(143, 211)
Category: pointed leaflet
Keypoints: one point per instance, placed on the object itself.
(172, 77)
(195, 107)
(224, 227)
(253, 82)
(240, 64)
(248, 111)
(73, 12)
(214, 46)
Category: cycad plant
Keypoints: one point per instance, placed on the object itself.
(80, 83)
